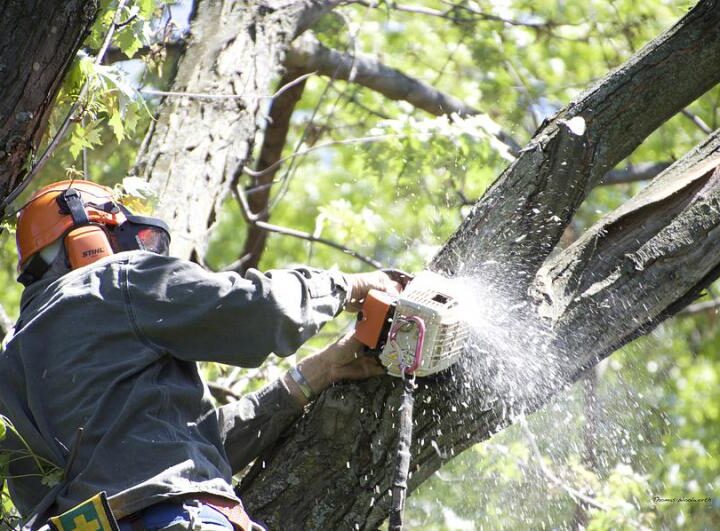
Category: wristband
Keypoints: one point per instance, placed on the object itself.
(302, 383)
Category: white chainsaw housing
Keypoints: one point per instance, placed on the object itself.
(435, 300)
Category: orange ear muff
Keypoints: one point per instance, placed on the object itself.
(87, 244)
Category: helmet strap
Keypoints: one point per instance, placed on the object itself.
(71, 203)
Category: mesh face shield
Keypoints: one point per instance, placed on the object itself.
(141, 233)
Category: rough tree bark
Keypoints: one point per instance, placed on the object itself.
(646, 272)
(235, 51)
(38, 42)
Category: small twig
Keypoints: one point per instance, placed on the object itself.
(290, 85)
(448, 13)
(524, 89)
(574, 493)
(130, 20)
(700, 307)
(694, 118)
(359, 140)
(254, 220)
(192, 95)
(62, 130)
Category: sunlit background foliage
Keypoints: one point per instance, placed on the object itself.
(645, 426)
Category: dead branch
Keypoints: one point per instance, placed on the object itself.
(254, 220)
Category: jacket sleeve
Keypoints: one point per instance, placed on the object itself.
(256, 421)
(179, 308)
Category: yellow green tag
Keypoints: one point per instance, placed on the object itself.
(91, 515)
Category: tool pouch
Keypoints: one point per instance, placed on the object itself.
(92, 514)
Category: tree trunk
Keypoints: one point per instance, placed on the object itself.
(234, 55)
(38, 42)
(333, 470)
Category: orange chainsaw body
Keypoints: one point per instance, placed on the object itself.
(374, 319)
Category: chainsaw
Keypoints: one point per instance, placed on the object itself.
(417, 333)
(420, 332)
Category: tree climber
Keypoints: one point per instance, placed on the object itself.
(100, 381)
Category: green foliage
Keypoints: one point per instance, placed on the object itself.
(393, 183)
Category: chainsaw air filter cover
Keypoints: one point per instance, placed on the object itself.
(428, 332)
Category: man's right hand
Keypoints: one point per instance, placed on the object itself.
(361, 283)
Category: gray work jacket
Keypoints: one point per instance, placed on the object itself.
(100, 377)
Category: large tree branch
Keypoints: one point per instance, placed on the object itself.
(36, 51)
(276, 131)
(309, 55)
(632, 256)
(635, 255)
(525, 361)
(539, 193)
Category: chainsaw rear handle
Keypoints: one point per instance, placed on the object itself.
(399, 276)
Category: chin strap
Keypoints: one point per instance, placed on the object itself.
(33, 271)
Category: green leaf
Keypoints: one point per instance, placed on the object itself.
(129, 42)
(147, 8)
(116, 123)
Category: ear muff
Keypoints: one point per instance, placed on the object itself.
(87, 244)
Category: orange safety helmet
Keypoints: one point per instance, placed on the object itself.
(42, 221)
(92, 224)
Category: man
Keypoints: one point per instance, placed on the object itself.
(100, 382)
